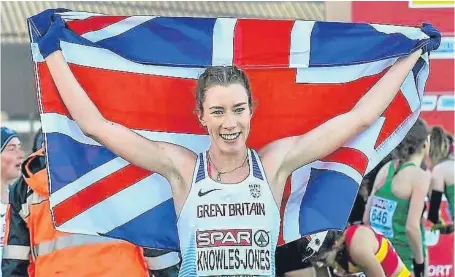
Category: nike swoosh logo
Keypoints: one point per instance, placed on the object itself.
(200, 193)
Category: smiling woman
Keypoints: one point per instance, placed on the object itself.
(227, 199)
(360, 249)
(227, 117)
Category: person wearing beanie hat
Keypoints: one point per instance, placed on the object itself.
(12, 156)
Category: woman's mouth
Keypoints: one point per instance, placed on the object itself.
(230, 137)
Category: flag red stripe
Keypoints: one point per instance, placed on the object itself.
(349, 156)
(394, 115)
(167, 104)
(254, 45)
(94, 23)
(97, 192)
(134, 100)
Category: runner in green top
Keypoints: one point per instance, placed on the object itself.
(442, 181)
(395, 206)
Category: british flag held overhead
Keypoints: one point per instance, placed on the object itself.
(140, 71)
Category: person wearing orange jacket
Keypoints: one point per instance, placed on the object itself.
(34, 248)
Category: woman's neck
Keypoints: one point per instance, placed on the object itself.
(416, 158)
(225, 162)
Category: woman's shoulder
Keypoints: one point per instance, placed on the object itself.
(382, 174)
(446, 164)
(444, 168)
(420, 178)
(361, 237)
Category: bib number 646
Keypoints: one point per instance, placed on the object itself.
(379, 216)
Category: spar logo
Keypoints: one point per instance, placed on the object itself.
(228, 237)
(233, 252)
(261, 238)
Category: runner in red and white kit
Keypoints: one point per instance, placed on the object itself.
(360, 249)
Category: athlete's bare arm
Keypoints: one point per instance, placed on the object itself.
(282, 157)
(174, 162)
(437, 178)
(442, 174)
(362, 252)
(420, 185)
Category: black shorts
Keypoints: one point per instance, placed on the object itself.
(288, 258)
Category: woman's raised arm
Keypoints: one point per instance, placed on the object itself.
(155, 156)
(292, 153)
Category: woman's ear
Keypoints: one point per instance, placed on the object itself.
(252, 110)
(200, 117)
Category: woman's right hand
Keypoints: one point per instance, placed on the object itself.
(435, 38)
(50, 41)
(49, 29)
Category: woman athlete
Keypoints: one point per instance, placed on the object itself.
(442, 180)
(397, 200)
(227, 199)
(360, 249)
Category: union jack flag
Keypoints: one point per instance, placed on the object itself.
(141, 71)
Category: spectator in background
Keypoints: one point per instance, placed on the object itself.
(442, 180)
(12, 156)
(34, 248)
(396, 204)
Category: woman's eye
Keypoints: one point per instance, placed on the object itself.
(239, 110)
(217, 112)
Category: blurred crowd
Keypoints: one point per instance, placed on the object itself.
(384, 235)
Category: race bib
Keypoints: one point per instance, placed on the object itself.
(381, 215)
(233, 252)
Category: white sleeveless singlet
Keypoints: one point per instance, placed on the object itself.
(229, 229)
